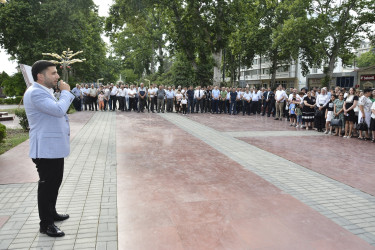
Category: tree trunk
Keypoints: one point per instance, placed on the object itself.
(217, 56)
(152, 59)
(273, 71)
(161, 57)
(328, 71)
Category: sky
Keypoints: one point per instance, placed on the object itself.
(10, 66)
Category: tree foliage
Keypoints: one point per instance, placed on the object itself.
(333, 30)
(14, 85)
(29, 28)
(366, 59)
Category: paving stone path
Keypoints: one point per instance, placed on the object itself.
(89, 190)
(347, 206)
(88, 194)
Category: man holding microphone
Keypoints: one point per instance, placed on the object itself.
(49, 139)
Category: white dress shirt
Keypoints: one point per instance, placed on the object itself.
(247, 96)
(322, 100)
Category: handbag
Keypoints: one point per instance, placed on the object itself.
(362, 126)
(336, 122)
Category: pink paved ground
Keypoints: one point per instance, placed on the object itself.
(349, 161)
(175, 192)
(234, 123)
(17, 167)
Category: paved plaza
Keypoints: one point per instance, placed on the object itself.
(201, 181)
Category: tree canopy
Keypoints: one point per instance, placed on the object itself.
(187, 42)
(29, 28)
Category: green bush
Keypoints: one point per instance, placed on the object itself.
(17, 100)
(3, 132)
(21, 114)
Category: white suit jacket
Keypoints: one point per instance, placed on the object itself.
(48, 121)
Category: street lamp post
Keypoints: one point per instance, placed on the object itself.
(148, 82)
(65, 61)
(97, 81)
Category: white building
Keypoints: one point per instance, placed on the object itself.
(290, 75)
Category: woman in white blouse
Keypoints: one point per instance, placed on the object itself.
(364, 114)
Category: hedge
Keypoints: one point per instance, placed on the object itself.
(16, 100)
(21, 114)
(3, 132)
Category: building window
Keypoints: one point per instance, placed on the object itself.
(314, 70)
(345, 81)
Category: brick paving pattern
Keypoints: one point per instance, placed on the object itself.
(154, 189)
(87, 194)
(347, 206)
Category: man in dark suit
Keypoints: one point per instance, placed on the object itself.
(265, 101)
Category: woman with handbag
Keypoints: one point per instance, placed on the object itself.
(308, 112)
(364, 115)
(350, 103)
(339, 114)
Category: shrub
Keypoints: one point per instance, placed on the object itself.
(16, 100)
(21, 114)
(3, 132)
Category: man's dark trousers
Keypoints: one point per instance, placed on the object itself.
(51, 173)
(265, 106)
(199, 105)
(191, 106)
(254, 107)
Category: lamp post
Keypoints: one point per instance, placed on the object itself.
(65, 61)
(97, 81)
(148, 82)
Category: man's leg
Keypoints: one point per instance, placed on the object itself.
(158, 105)
(50, 172)
(281, 110)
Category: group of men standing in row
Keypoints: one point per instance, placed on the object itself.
(212, 99)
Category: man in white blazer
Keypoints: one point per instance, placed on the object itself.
(49, 140)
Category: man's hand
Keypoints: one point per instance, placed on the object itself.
(64, 86)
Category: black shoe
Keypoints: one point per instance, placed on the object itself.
(276, 118)
(61, 217)
(52, 231)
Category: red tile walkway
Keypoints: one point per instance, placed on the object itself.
(175, 192)
(346, 160)
(349, 161)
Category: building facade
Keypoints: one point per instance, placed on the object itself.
(290, 75)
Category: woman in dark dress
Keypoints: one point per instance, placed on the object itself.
(308, 110)
(350, 103)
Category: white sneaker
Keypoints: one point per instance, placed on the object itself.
(326, 132)
(330, 133)
(344, 136)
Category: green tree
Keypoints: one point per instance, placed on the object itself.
(366, 59)
(333, 30)
(3, 76)
(29, 28)
(14, 85)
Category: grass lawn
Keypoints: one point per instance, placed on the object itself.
(10, 111)
(12, 139)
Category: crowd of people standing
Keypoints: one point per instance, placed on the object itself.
(339, 112)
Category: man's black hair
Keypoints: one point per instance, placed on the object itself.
(39, 67)
(367, 90)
